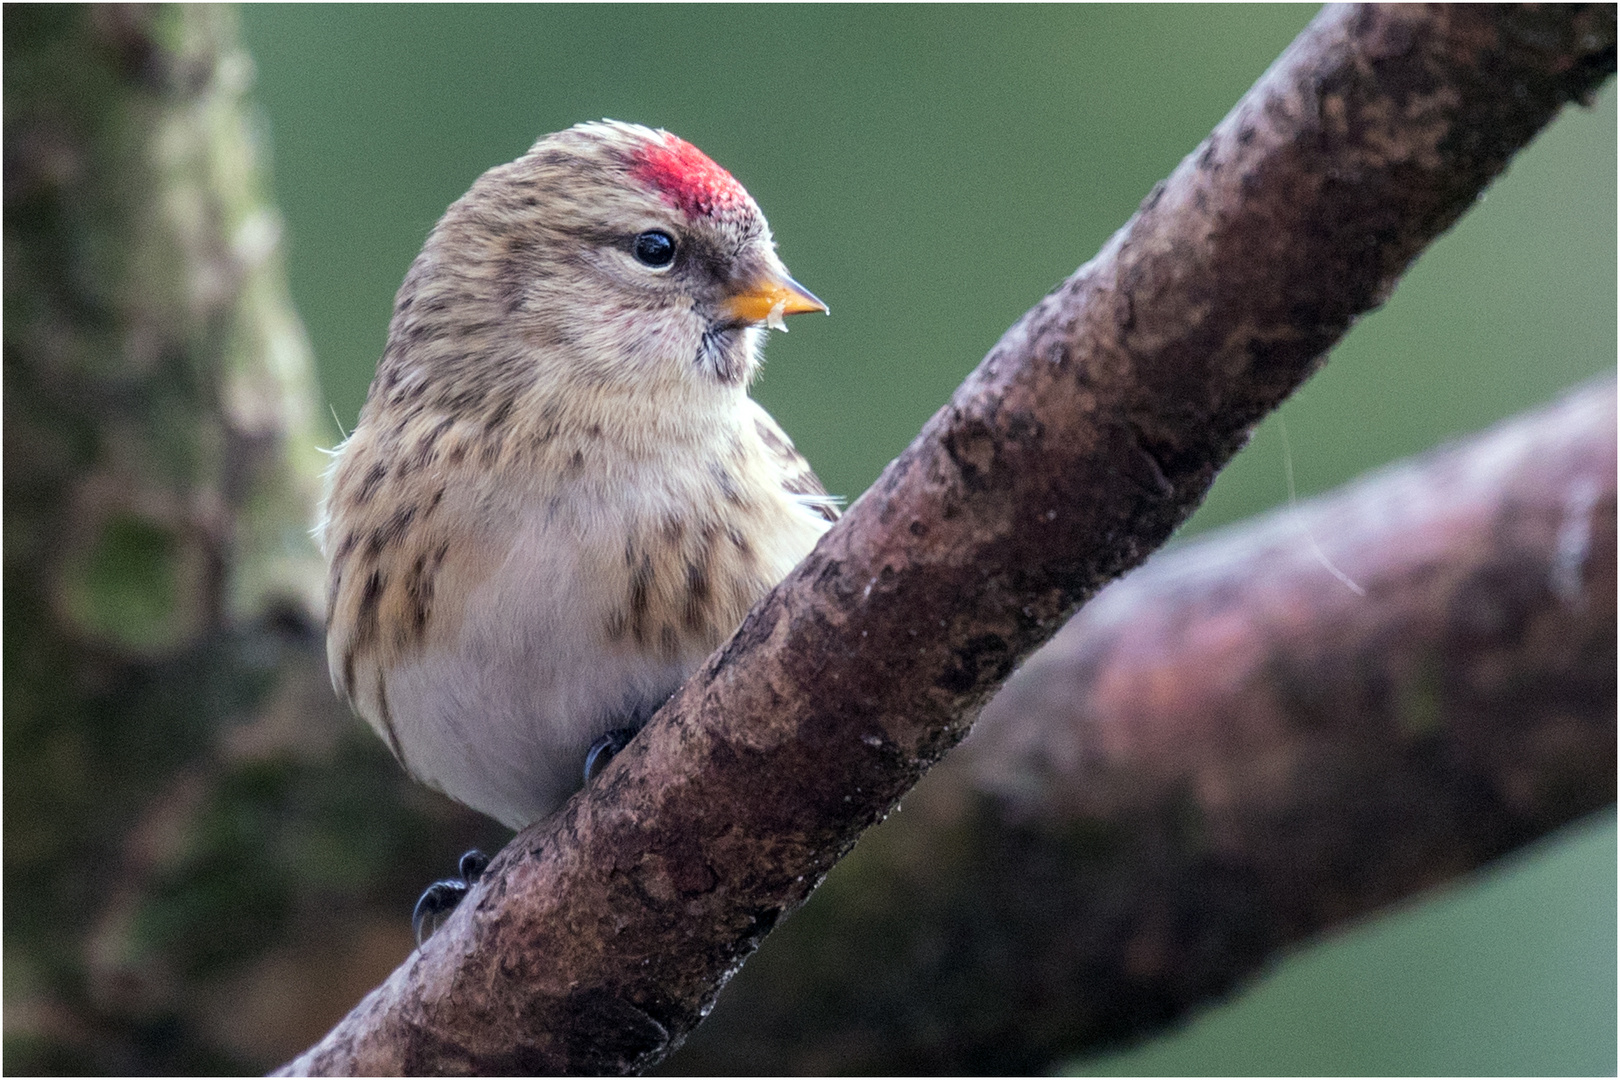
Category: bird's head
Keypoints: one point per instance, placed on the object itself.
(610, 253)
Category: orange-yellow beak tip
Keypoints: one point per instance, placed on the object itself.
(771, 300)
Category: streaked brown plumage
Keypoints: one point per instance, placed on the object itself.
(559, 497)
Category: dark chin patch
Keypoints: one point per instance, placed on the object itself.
(723, 353)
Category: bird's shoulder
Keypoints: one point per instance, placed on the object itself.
(793, 471)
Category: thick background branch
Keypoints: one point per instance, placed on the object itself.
(1222, 755)
(601, 936)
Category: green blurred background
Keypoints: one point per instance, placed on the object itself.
(930, 172)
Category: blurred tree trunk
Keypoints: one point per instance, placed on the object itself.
(182, 795)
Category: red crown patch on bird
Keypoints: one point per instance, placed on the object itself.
(688, 178)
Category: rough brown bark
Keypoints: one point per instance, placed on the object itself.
(600, 937)
(1224, 754)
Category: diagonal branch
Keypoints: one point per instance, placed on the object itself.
(1223, 755)
(600, 937)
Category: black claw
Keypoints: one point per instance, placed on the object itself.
(472, 865)
(604, 749)
(442, 897)
(439, 899)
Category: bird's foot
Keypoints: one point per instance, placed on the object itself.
(441, 897)
(603, 750)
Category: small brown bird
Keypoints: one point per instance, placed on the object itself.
(559, 498)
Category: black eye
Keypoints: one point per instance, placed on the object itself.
(655, 249)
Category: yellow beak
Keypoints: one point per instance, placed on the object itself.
(767, 301)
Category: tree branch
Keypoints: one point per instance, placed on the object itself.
(600, 936)
(1224, 754)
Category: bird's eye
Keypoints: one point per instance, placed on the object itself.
(655, 249)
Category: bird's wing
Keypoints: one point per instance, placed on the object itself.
(796, 475)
